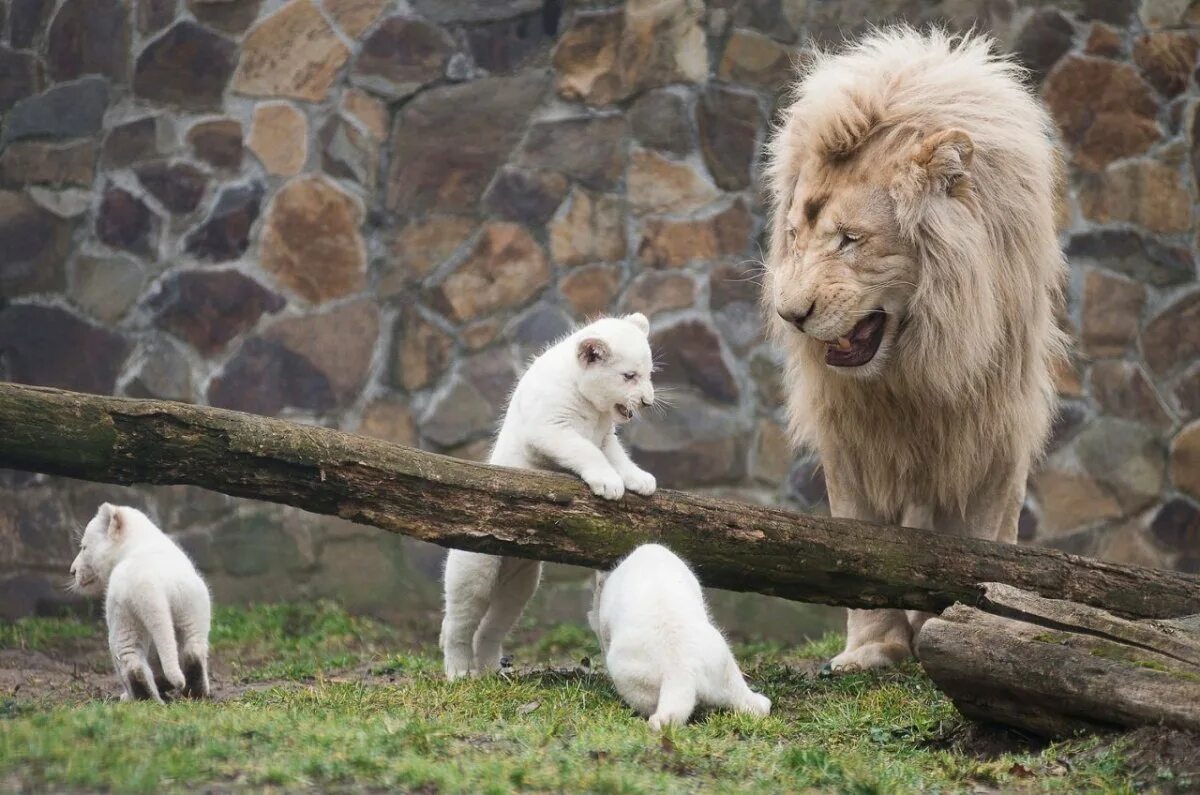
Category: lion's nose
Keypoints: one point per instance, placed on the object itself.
(797, 319)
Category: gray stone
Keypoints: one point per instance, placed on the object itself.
(691, 352)
(728, 121)
(457, 415)
(526, 197)
(162, 372)
(69, 110)
(349, 154)
(105, 287)
(28, 20)
(660, 120)
(401, 56)
(18, 77)
(694, 443)
(1128, 459)
(1137, 256)
(539, 327)
(474, 10)
(89, 37)
(1045, 37)
(592, 150)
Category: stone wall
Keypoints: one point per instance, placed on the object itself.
(367, 213)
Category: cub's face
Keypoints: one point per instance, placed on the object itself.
(614, 358)
(97, 550)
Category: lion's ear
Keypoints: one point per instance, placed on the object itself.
(945, 157)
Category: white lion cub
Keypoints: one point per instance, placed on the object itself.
(157, 606)
(563, 415)
(662, 651)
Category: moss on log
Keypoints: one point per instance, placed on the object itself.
(545, 516)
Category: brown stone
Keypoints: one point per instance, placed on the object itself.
(154, 15)
(756, 60)
(1172, 339)
(1071, 501)
(89, 37)
(1121, 389)
(1166, 59)
(1176, 526)
(1143, 192)
(227, 16)
(589, 228)
(18, 77)
(653, 292)
(354, 16)
(391, 421)
(28, 20)
(225, 234)
(217, 142)
(691, 352)
(188, 66)
(674, 244)
(401, 56)
(349, 153)
(733, 283)
(311, 240)
(772, 459)
(1129, 545)
(106, 287)
(525, 197)
(509, 45)
(273, 66)
(420, 352)
(47, 346)
(1185, 460)
(505, 269)
(1103, 108)
(279, 138)
(1112, 307)
(208, 309)
(1103, 41)
(264, 377)
(35, 245)
(660, 120)
(1168, 13)
(1045, 37)
(1187, 393)
(368, 112)
(448, 142)
(1140, 257)
(339, 343)
(660, 185)
(591, 150)
(481, 334)
(419, 247)
(125, 222)
(1067, 380)
(728, 121)
(177, 186)
(607, 56)
(44, 163)
(591, 289)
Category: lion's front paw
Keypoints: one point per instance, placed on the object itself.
(640, 481)
(606, 484)
(870, 655)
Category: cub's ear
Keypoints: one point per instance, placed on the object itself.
(114, 519)
(592, 350)
(639, 320)
(945, 157)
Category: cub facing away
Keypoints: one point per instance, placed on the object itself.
(563, 415)
(157, 606)
(660, 646)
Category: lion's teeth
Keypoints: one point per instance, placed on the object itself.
(843, 344)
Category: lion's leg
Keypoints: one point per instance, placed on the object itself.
(874, 638)
(919, 516)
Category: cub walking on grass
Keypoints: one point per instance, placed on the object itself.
(660, 646)
(563, 415)
(157, 606)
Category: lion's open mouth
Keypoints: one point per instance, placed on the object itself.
(623, 411)
(860, 345)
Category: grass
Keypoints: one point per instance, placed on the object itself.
(343, 702)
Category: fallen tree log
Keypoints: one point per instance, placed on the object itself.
(1057, 668)
(545, 516)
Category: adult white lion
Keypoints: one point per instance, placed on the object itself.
(911, 279)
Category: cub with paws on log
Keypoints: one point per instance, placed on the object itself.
(157, 606)
(660, 646)
(563, 415)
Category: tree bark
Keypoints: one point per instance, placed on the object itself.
(1057, 668)
(542, 515)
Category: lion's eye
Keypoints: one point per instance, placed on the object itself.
(630, 376)
(791, 234)
(848, 239)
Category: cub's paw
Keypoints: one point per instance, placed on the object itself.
(640, 482)
(605, 484)
(458, 666)
(869, 656)
(757, 705)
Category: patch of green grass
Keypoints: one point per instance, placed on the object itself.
(40, 634)
(545, 729)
